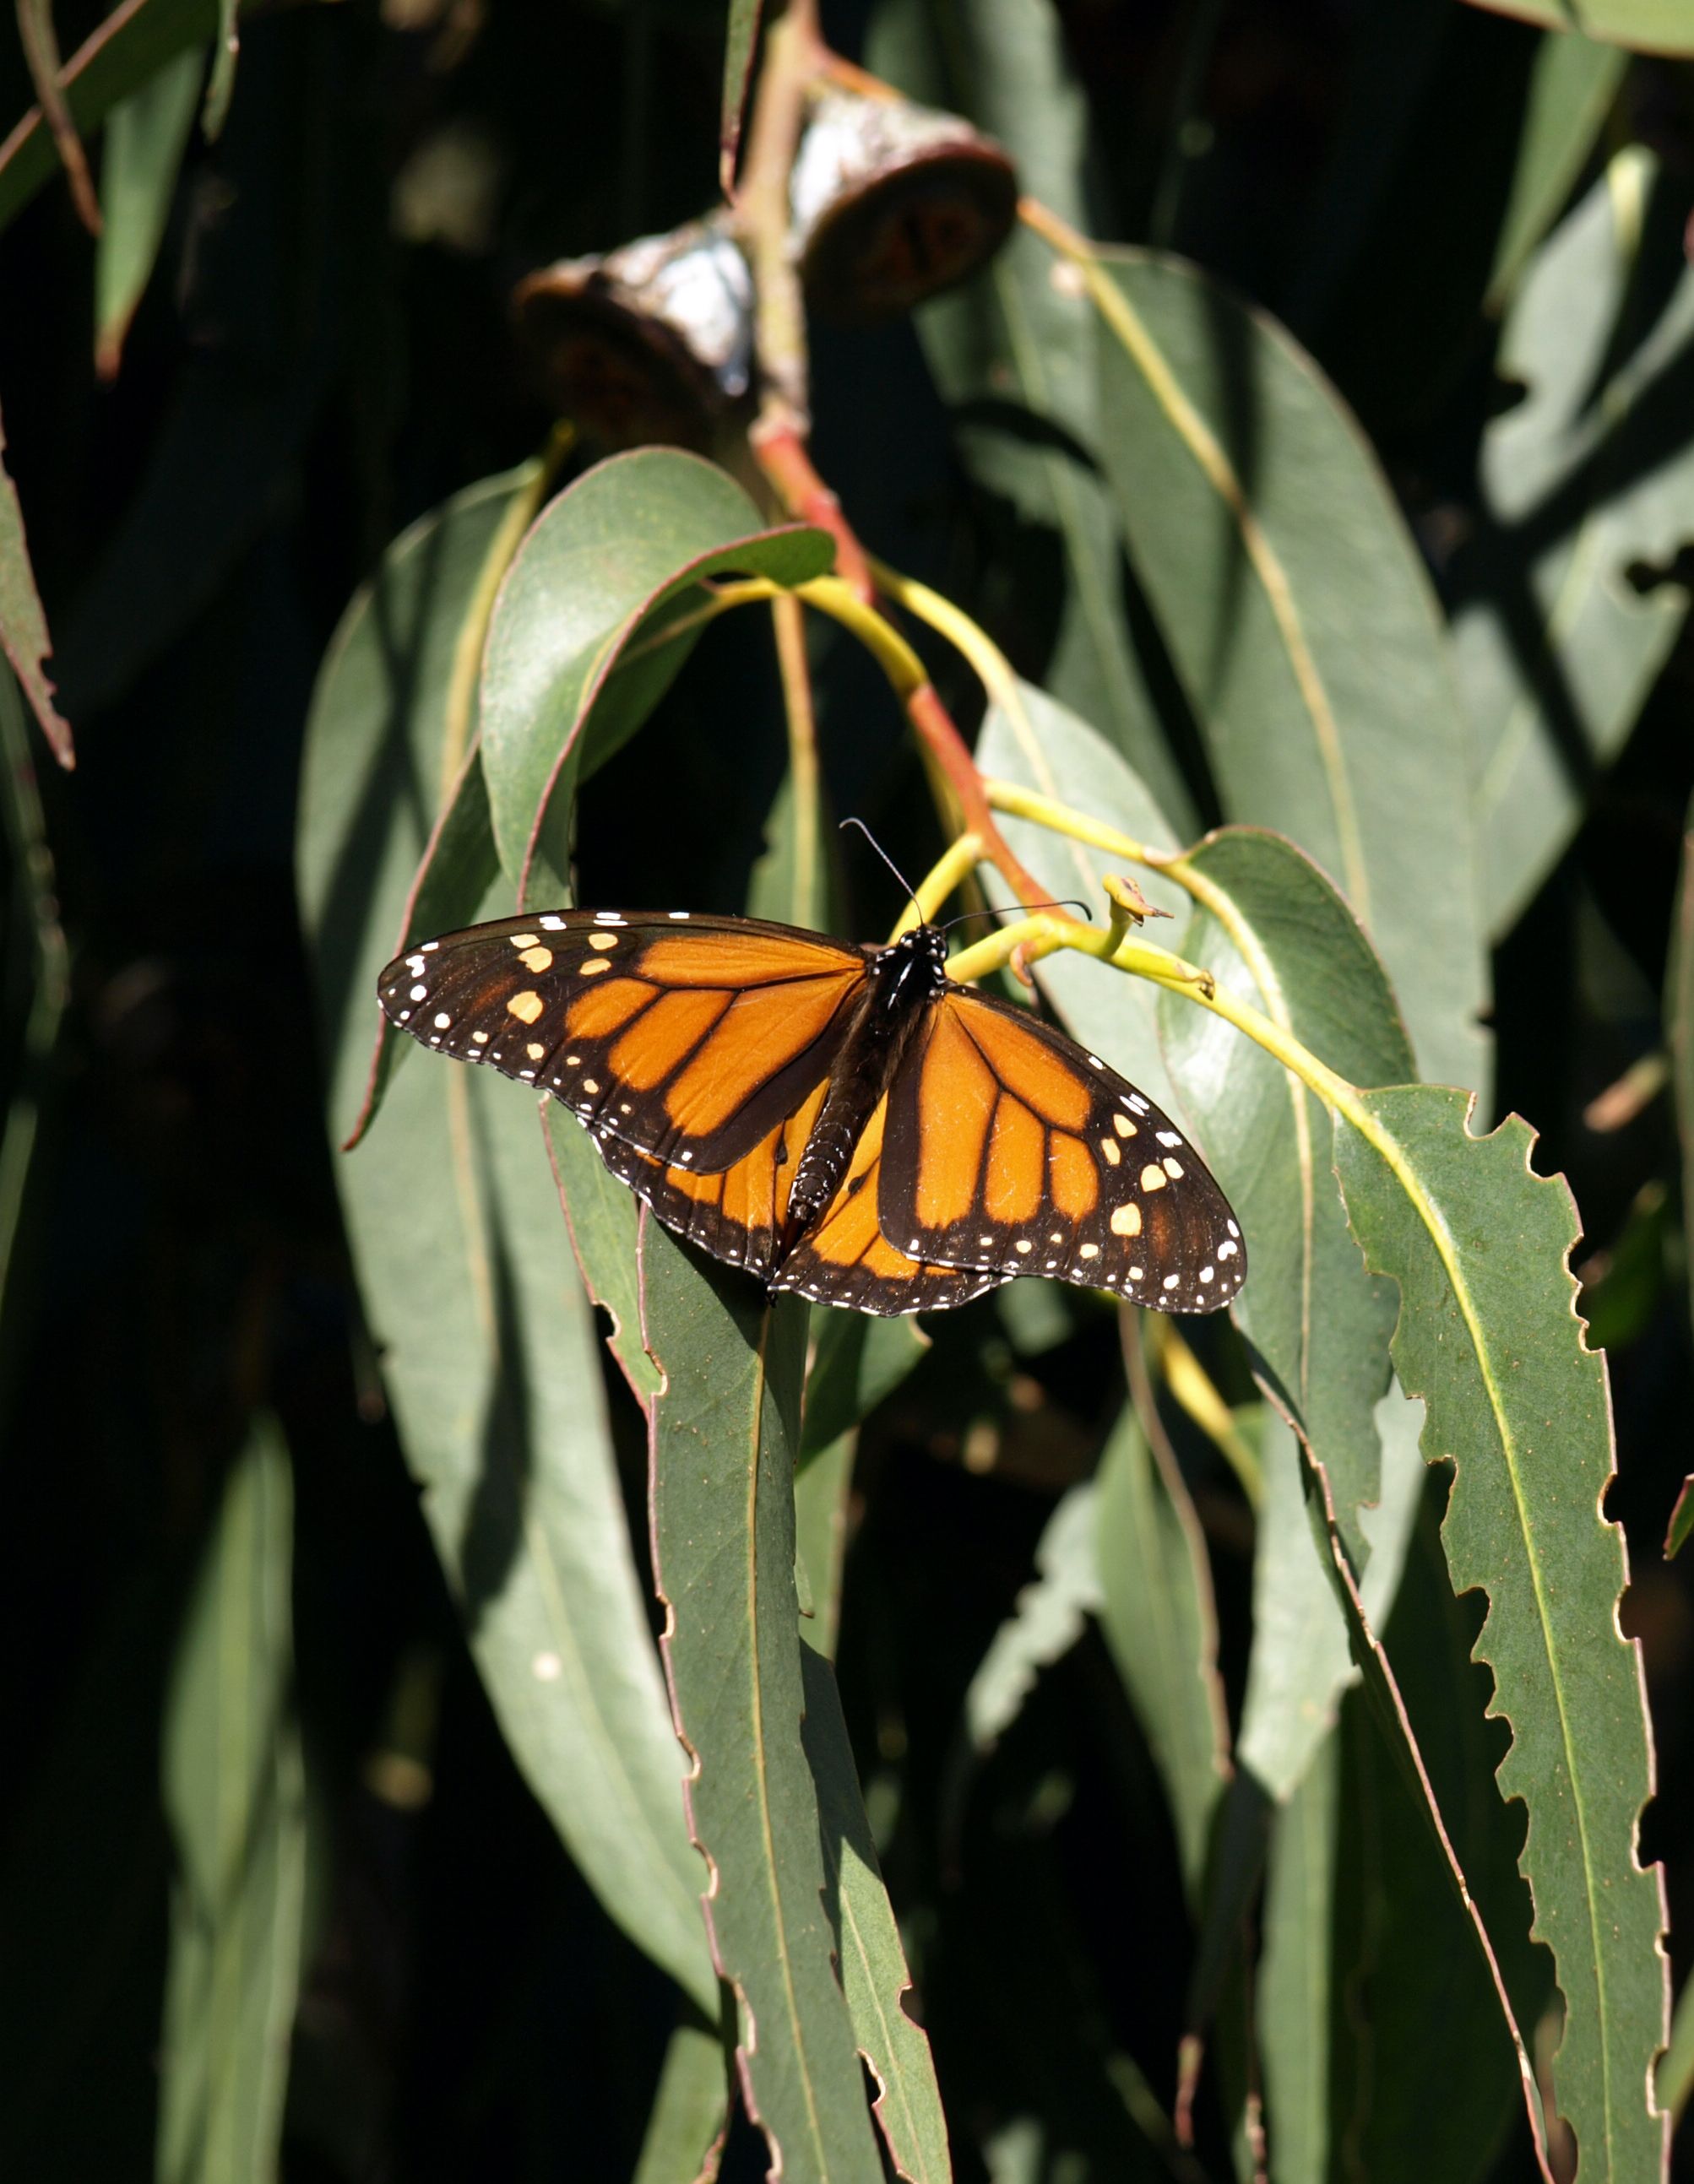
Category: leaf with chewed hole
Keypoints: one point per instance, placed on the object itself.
(23, 623)
(722, 1436)
(1489, 1339)
(598, 613)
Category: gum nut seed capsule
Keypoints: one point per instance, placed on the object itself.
(893, 204)
(652, 343)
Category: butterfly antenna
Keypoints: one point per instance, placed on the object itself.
(1070, 903)
(887, 861)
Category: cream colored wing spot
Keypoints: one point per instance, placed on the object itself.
(1123, 1126)
(534, 1051)
(1152, 1177)
(1126, 1221)
(1090, 1251)
(590, 969)
(1173, 1168)
(1109, 1151)
(537, 959)
(520, 941)
(525, 1006)
(603, 940)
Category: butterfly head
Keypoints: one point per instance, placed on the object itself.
(911, 969)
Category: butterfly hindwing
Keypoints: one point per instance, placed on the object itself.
(688, 1038)
(1008, 1148)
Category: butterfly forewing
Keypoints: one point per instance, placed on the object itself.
(1010, 1149)
(687, 1038)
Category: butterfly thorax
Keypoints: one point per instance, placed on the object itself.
(900, 983)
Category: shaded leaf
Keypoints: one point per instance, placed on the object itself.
(1585, 483)
(135, 40)
(1488, 1337)
(1679, 1013)
(40, 43)
(23, 625)
(1157, 1613)
(1012, 351)
(1649, 26)
(611, 560)
(1681, 1520)
(465, 1270)
(875, 1977)
(1283, 578)
(30, 1111)
(856, 1361)
(690, 2111)
(1423, 2080)
(146, 137)
(1295, 1995)
(723, 1438)
(234, 1790)
(600, 1214)
(225, 46)
(1572, 85)
(741, 36)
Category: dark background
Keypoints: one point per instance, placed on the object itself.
(325, 353)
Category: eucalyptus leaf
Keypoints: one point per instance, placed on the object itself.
(234, 1788)
(724, 1433)
(1300, 620)
(464, 1267)
(146, 137)
(585, 637)
(23, 622)
(1011, 352)
(1649, 26)
(1487, 1337)
(1586, 483)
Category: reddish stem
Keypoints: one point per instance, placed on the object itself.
(951, 756)
(782, 455)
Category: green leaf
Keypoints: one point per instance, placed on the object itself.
(146, 137)
(1572, 86)
(1157, 1613)
(390, 670)
(616, 557)
(1588, 480)
(1675, 2079)
(1422, 2075)
(875, 1977)
(31, 1110)
(1679, 1015)
(690, 2111)
(225, 49)
(1488, 1337)
(23, 624)
(465, 1271)
(724, 1435)
(856, 1361)
(1648, 27)
(1296, 2002)
(1049, 748)
(1681, 1520)
(117, 57)
(600, 1214)
(741, 36)
(234, 1790)
(1284, 579)
(1011, 352)
(1269, 921)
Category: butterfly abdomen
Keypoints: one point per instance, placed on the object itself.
(900, 983)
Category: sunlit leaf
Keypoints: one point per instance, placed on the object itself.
(1487, 1337)
(1012, 354)
(724, 1431)
(690, 2110)
(740, 38)
(1649, 26)
(1586, 489)
(1298, 617)
(1572, 85)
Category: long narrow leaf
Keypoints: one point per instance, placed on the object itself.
(723, 1438)
(234, 1782)
(1488, 1337)
(146, 137)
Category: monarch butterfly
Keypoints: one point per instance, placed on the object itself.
(844, 1122)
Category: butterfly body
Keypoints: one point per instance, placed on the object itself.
(847, 1122)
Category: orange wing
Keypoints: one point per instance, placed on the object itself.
(689, 1038)
(1011, 1150)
